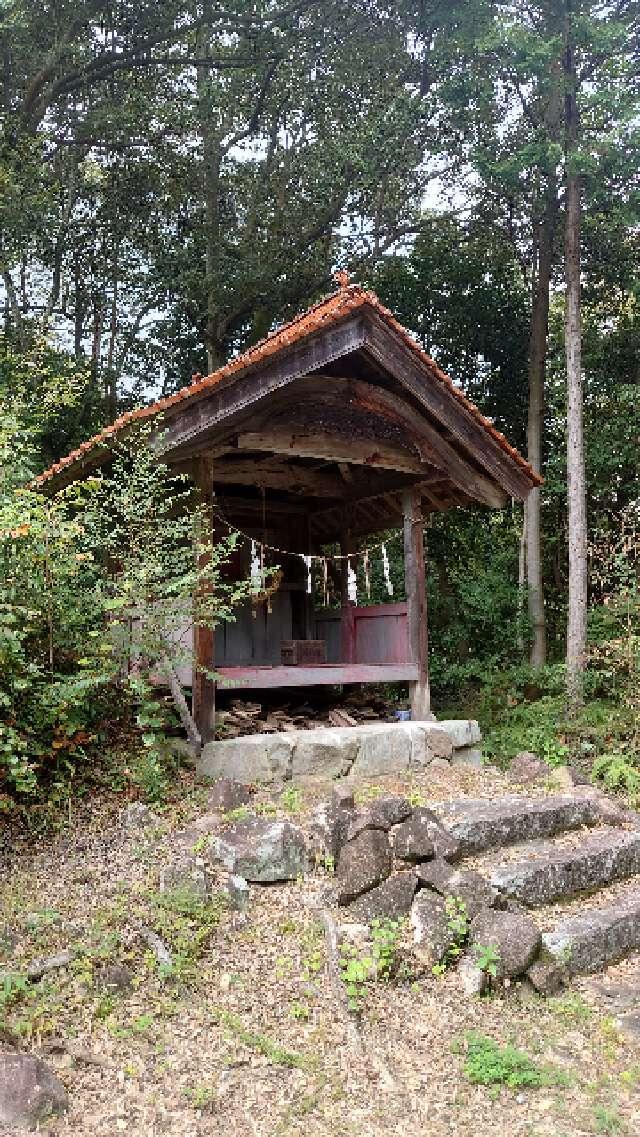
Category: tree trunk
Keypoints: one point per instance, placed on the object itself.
(537, 374)
(212, 160)
(576, 489)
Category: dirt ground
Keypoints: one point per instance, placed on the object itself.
(249, 1036)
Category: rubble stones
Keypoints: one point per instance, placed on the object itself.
(328, 829)
(466, 884)
(227, 794)
(527, 768)
(236, 890)
(392, 898)
(186, 874)
(516, 938)
(136, 815)
(421, 836)
(115, 977)
(432, 934)
(262, 850)
(29, 1091)
(364, 863)
(383, 813)
(473, 980)
(547, 974)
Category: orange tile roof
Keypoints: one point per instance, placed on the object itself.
(331, 310)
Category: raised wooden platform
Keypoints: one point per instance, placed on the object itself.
(325, 674)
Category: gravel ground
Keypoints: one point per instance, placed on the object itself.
(251, 1037)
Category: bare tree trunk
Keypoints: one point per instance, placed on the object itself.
(576, 487)
(537, 375)
(212, 159)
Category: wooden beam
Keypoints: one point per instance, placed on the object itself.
(257, 678)
(414, 576)
(291, 477)
(397, 358)
(432, 445)
(333, 448)
(197, 418)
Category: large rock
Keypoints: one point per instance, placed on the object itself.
(328, 752)
(328, 828)
(516, 938)
(227, 794)
(465, 884)
(597, 937)
(262, 850)
(254, 758)
(186, 875)
(383, 813)
(432, 932)
(29, 1091)
(364, 863)
(436, 744)
(467, 756)
(384, 749)
(421, 836)
(392, 898)
(526, 768)
(462, 732)
(555, 872)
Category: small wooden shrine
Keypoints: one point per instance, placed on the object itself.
(333, 430)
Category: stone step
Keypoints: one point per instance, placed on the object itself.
(592, 937)
(489, 823)
(552, 870)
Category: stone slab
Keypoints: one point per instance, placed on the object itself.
(489, 823)
(589, 942)
(254, 758)
(552, 872)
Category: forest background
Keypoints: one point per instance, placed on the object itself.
(175, 178)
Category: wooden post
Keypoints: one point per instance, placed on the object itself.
(347, 622)
(204, 688)
(414, 578)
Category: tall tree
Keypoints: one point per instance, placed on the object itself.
(576, 483)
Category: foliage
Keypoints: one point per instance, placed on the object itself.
(458, 927)
(487, 958)
(618, 772)
(96, 584)
(487, 1063)
(382, 962)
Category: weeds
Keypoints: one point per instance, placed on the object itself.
(358, 970)
(458, 928)
(487, 958)
(487, 1063)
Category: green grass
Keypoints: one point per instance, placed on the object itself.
(487, 1063)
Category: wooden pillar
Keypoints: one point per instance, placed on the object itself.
(204, 688)
(414, 577)
(348, 622)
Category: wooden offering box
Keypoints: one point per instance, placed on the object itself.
(303, 653)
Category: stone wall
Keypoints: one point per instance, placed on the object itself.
(338, 752)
